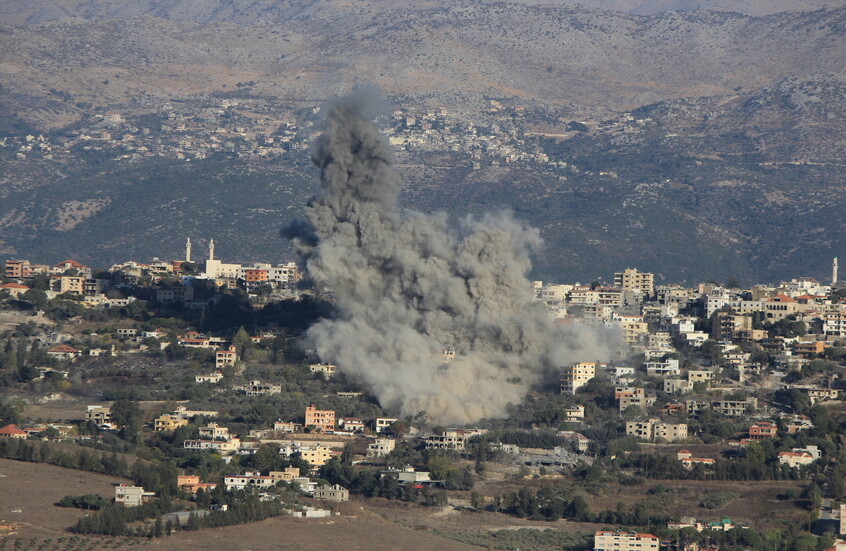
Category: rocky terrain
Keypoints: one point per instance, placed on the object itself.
(711, 138)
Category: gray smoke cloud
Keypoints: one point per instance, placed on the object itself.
(410, 285)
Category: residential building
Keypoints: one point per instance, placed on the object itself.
(132, 496)
(631, 396)
(822, 394)
(580, 441)
(13, 431)
(383, 425)
(734, 408)
(574, 413)
(213, 431)
(327, 369)
(68, 284)
(64, 352)
(452, 439)
(762, 430)
(225, 358)
(182, 411)
(700, 375)
(191, 483)
(224, 447)
(576, 375)
(323, 420)
(15, 290)
(727, 326)
(624, 541)
(677, 386)
(169, 422)
(215, 377)
(655, 430)
(99, 415)
(408, 474)
(670, 366)
(632, 280)
(331, 493)
(795, 458)
(284, 426)
(17, 269)
(351, 424)
(249, 479)
(688, 461)
(381, 447)
(257, 388)
(66, 265)
(316, 455)
(288, 475)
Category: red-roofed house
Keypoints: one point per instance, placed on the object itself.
(72, 264)
(64, 352)
(15, 289)
(12, 431)
(795, 459)
(762, 430)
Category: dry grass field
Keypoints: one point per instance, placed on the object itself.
(28, 516)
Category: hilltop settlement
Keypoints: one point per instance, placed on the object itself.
(718, 423)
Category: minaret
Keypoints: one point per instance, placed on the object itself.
(834, 271)
(211, 249)
(188, 250)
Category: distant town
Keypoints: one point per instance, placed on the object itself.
(255, 128)
(718, 423)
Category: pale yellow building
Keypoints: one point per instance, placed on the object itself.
(632, 280)
(169, 422)
(576, 375)
(624, 541)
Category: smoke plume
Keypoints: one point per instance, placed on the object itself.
(409, 286)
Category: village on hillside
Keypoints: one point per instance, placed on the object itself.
(717, 424)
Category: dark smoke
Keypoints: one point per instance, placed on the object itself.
(408, 286)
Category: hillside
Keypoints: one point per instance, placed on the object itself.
(733, 170)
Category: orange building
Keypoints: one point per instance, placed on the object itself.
(320, 419)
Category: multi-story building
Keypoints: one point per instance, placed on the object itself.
(99, 415)
(677, 386)
(630, 396)
(327, 369)
(68, 284)
(215, 377)
(728, 326)
(634, 330)
(258, 388)
(225, 358)
(624, 541)
(331, 493)
(383, 424)
(655, 429)
(669, 366)
(381, 447)
(213, 431)
(576, 375)
(323, 420)
(632, 280)
(761, 430)
(317, 455)
(17, 269)
(734, 408)
(168, 422)
(452, 439)
(132, 496)
(249, 479)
